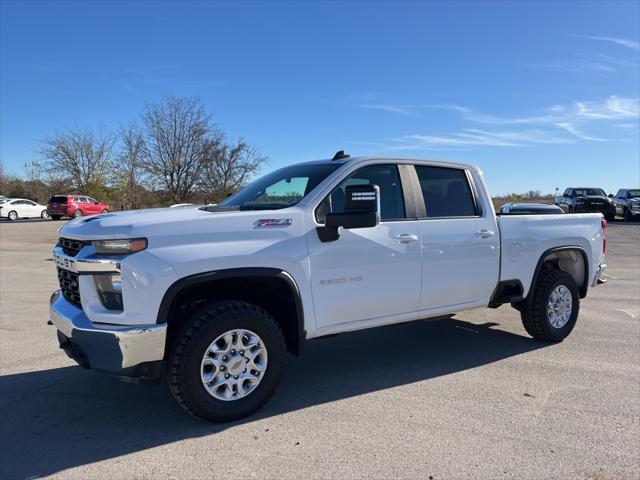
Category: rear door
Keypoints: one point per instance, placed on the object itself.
(368, 272)
(460, 240)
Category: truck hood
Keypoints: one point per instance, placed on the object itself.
(169, 222)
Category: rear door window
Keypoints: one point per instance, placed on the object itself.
(446, 192)
(58, 199)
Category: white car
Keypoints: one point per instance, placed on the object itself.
(215, 296)
(15, 208)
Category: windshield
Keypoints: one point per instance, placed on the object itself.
(589, 192)
(280, 189)
(633, 193)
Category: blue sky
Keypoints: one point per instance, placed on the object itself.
(539, 95)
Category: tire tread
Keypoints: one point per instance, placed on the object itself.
(190, 331)
(533, 316)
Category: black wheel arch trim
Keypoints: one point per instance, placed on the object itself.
(192, 280)
(536, 273)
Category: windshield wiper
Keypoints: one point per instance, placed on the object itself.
(219, 208)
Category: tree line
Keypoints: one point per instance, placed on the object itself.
(173, 153)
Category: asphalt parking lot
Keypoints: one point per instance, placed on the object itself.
(470, 397)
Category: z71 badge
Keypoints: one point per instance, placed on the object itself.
(274, 222)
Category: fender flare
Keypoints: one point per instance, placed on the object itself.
(587, 268)
(192, 280)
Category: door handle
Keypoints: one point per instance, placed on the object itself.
(405, 238)
(485, 233)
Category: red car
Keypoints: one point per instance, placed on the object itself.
(74, 206)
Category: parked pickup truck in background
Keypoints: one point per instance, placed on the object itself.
(586, 200)
(215, 296)
(627, 203)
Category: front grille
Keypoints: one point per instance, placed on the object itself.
(71, 247)
(69, 285)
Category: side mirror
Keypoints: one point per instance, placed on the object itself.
(361, 210)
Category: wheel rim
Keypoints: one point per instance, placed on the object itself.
(13, 215)
(45, 214)
(78, 213)
(233, 365)
(560, 306)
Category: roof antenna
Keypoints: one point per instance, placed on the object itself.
(340, 155)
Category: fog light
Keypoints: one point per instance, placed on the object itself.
(110, 290)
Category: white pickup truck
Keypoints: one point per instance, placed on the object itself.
(215, 296)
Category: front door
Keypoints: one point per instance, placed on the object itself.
(368, 272)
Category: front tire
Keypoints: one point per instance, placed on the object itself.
(105, 211)
(12, 215)
(552, 312)
(226, 362)
(626, 216)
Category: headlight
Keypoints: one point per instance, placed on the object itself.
(120, 247)
(110, 290)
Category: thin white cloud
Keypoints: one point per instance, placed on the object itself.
(576, 66)
(473, 137)
(559, 124)
(578, 133)
(625, 42)
(389, 108)
(614, 108)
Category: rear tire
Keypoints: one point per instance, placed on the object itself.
(187, 376)
(78, 213)
(541, 312)
(44, 215)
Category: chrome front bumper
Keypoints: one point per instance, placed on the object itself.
(602, 268)
(130, 351)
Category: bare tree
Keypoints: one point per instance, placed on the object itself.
(175, 134)
(229, 166)
(81, 156)
(128, 167)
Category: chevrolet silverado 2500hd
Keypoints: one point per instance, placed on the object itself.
(215, 296)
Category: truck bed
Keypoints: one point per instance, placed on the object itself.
(525, 238)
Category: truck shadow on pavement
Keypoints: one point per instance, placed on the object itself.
(62, 418)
